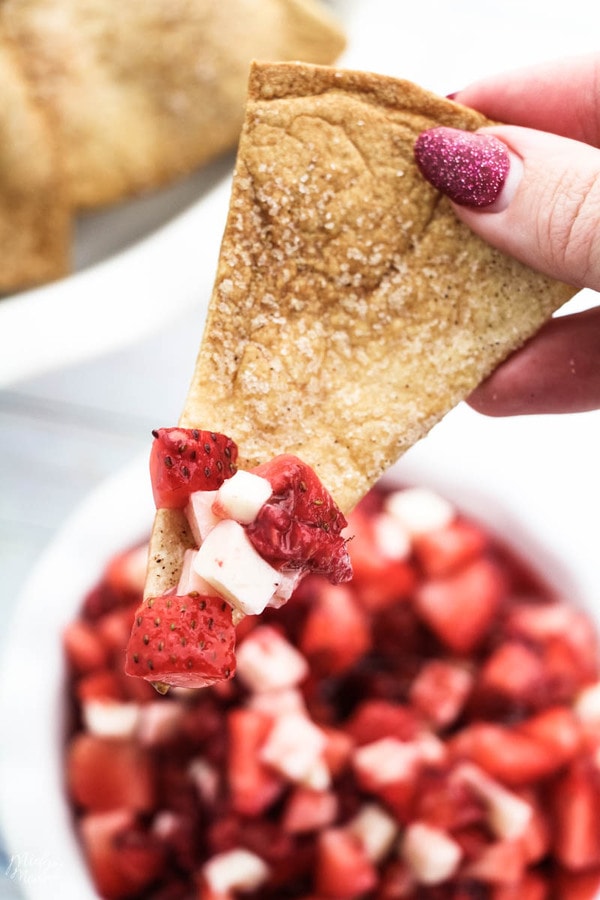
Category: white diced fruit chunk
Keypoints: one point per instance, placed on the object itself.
(190, 581)
(375, 829)
(294, 748)
(391, 537)
(109, 718)
(242, 496)
(237, 869)
(587, 703)
(508, 815)
(231, 565)
(430, 853)
(266, 661)
(200, 515)
(419, 509)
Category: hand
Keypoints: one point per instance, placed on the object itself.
(537, 199)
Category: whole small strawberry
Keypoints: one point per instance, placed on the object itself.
(184, 460)
(184, 641)
(300, 525)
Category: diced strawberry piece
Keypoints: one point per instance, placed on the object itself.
(513, 757)
(397, 882)
(253, 786)
(501, 862)
(440, 691)
(343, 869)
(336, 631)
(83, 648)
(101, 685)
(123, 858)
(374, 719)
(184, 460)
(309, 810)
(444, 550)
(575, 805)
(557, 728)
(461, 608)
(531, 887)
(514, 671)
(184, 641)
(337, 751)
(576, 886)
(114, 629)
(300, 525)
(446, 802)
(125, 573)
(536, 839)
(108, 773)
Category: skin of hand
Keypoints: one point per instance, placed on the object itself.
(546, 214)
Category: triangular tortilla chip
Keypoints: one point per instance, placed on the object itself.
(149, 90)
(351, 309)
(35, 217)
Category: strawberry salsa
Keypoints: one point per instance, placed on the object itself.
(428, 730)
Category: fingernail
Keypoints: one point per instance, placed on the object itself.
(469, 167)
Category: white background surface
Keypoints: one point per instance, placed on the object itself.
(124, 333)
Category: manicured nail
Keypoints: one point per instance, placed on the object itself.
(469, 167)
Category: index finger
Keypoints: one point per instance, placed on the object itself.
(562, 97)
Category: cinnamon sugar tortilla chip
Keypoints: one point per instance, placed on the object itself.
(148, 90)
(351, 309)
(34, 213)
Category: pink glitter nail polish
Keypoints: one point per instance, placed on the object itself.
(469, 167)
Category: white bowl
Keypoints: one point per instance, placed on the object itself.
(532, 481)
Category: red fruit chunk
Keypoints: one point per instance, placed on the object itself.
(336, 631)
(184, 460)
(343, 870)
(103, 685)
(461, 608)
(109, 773)
(253, 786)
(502, 862)
(576, 806)
(308, 810)
(83, 648)
(557, 728)
(375, 719)
(300, 525)
(581, 886)
(515, 672)
(184, 641)
(441, 551)
(123, 858)
(446, 802)
(440, 691)
(126, 572)
(513, 757)
(531, 887)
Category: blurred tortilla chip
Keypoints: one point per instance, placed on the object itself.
(35, 219)
(147, 91)
(351, 309)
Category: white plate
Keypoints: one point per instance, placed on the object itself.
(533, 481)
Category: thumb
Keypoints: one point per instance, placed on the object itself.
(531, 194)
